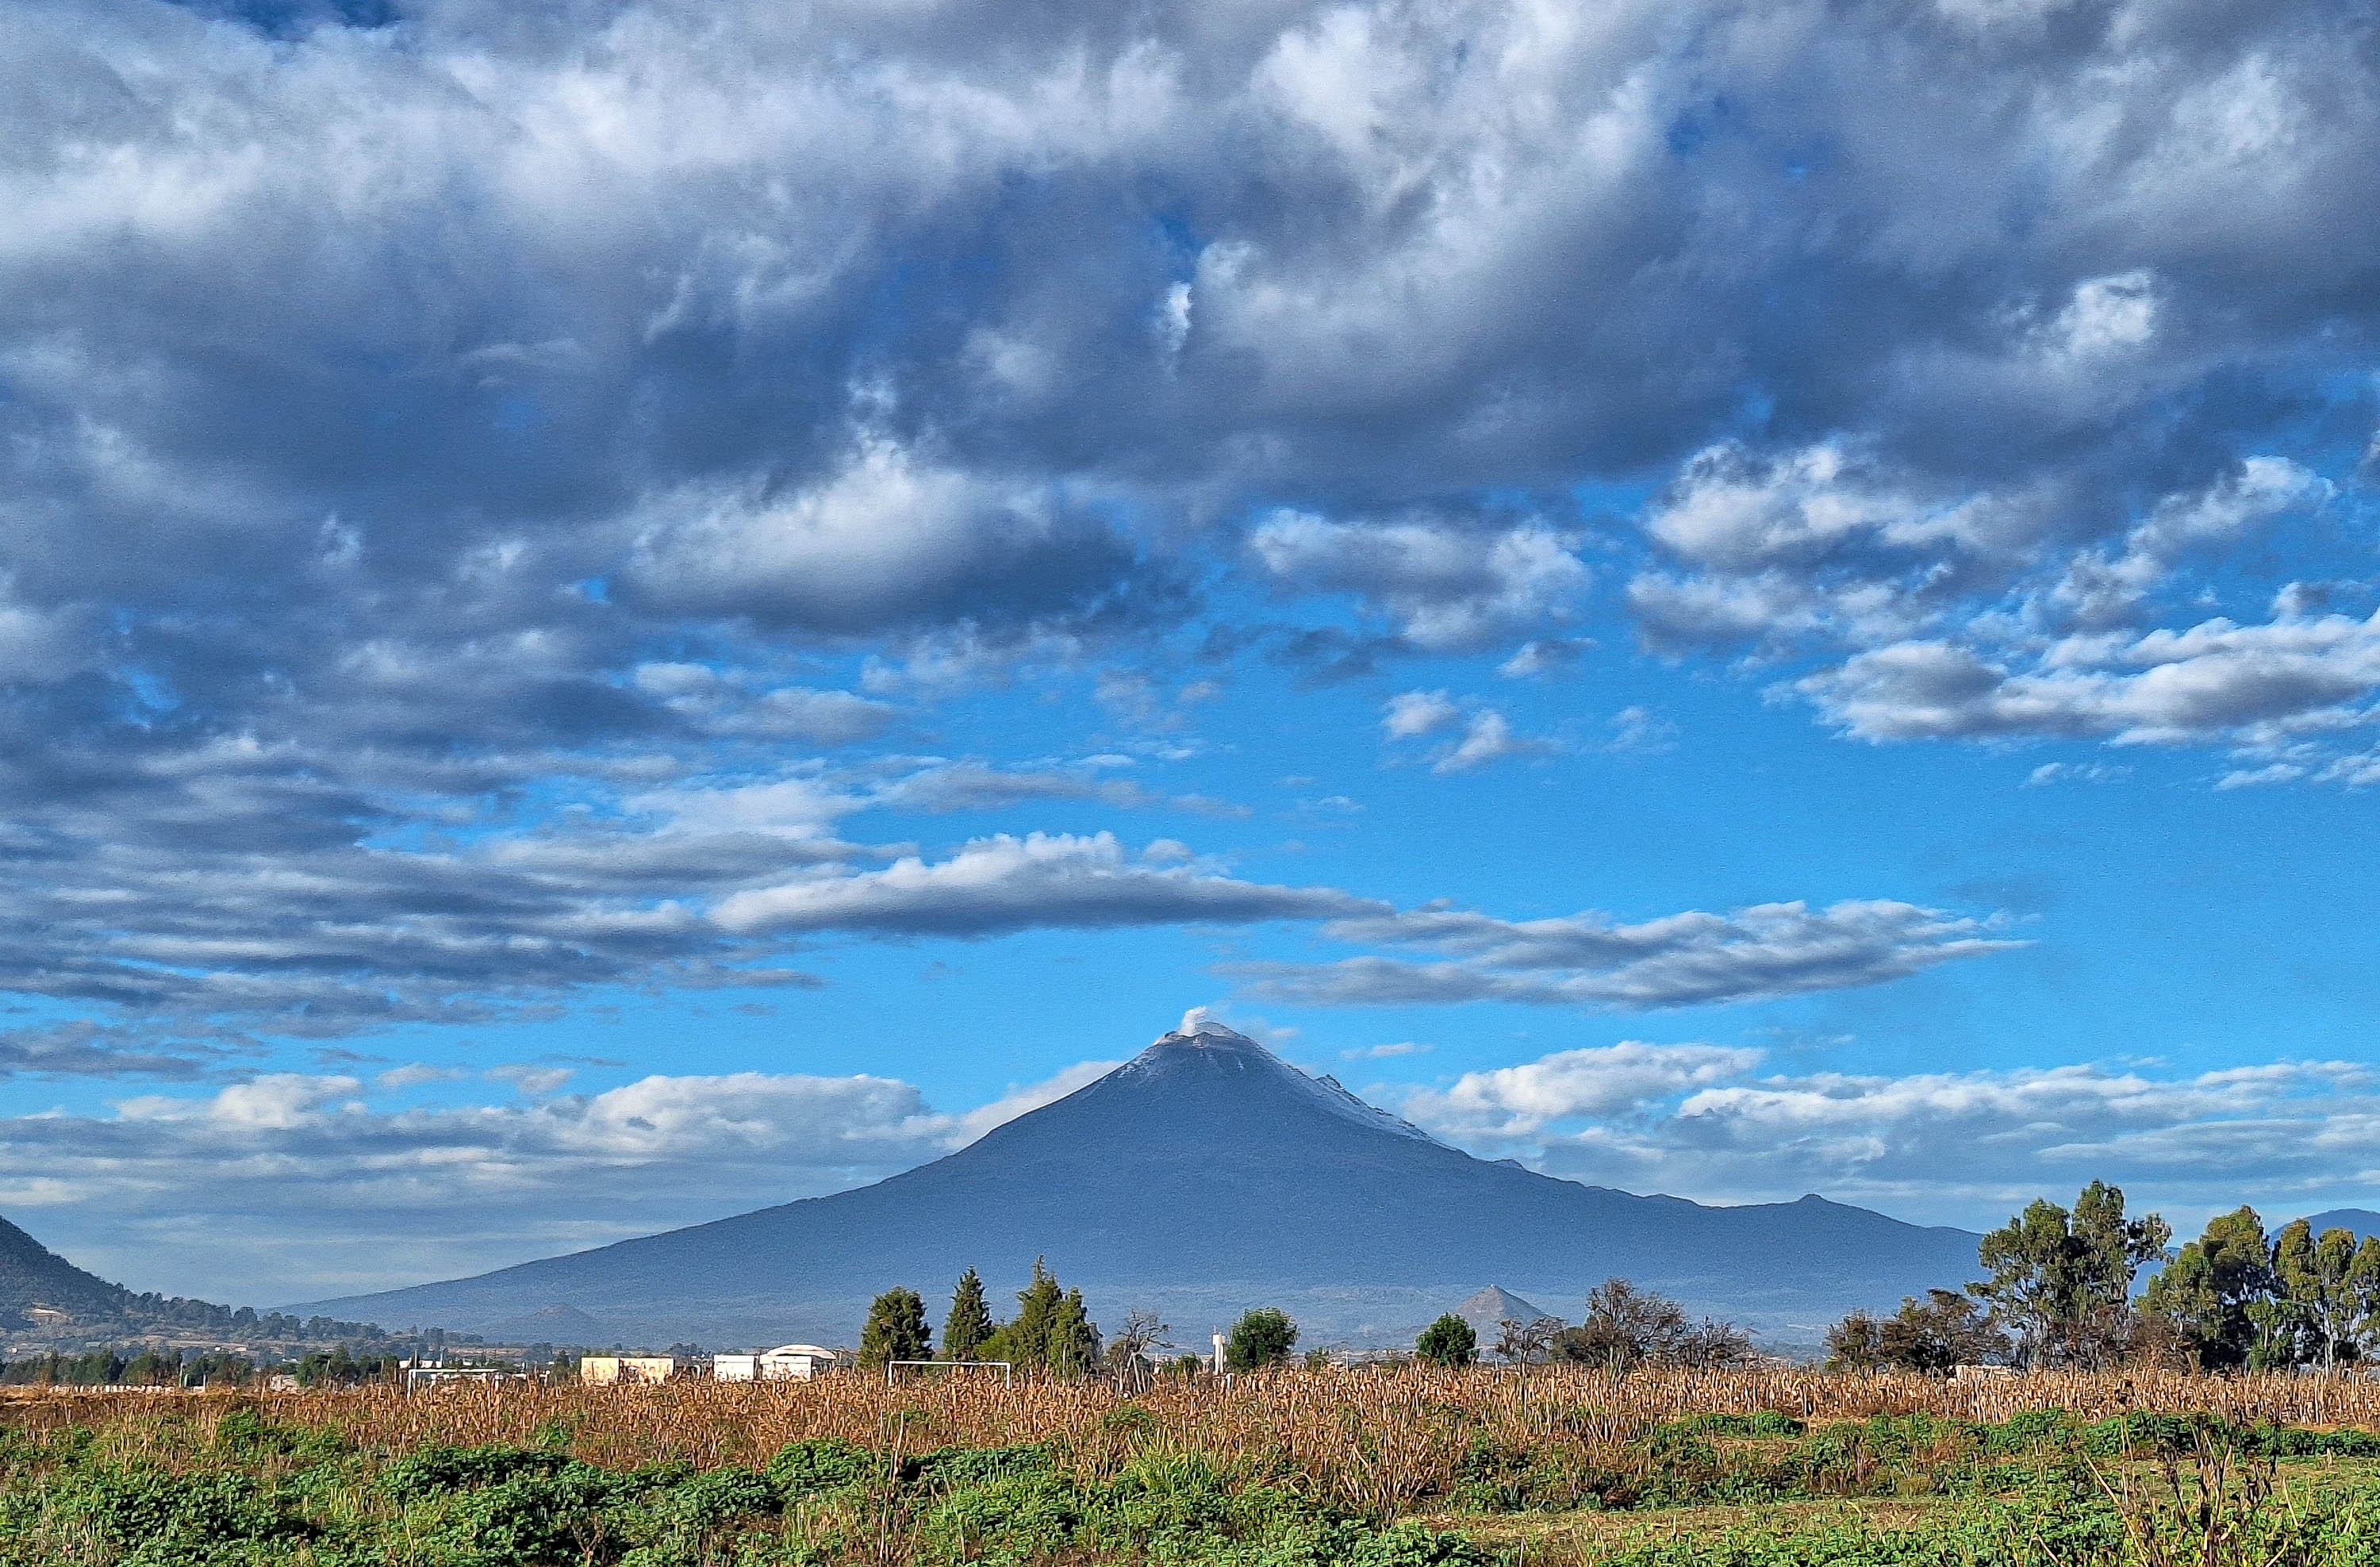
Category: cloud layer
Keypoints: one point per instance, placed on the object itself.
(405, 421)
(191, 1192)
(499, 504)
(1966, 1147)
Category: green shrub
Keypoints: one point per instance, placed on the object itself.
(157, 1516)
(827, 1464)
(431, 1470)
(1016, 1518)
(949, 1467)
(1765, 1423)
(558, 1518)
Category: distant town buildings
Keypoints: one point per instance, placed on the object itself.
(418, 1376)
(603, 1370)
(786, 1362)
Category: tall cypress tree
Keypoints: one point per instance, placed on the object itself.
(1037, 1312)
(969, 1324)
(896, 1328)
(1074, 1337)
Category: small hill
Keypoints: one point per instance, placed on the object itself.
(47, 1302)
(555, 1324)
(32, 1278)
(1492, 1307)
(1204, 1177)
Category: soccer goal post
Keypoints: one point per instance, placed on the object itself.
(1007, 1370)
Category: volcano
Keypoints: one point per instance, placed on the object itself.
(1204, 1177)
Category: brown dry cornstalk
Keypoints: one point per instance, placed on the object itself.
(1374, 1439)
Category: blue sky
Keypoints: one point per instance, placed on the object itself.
(614, 612)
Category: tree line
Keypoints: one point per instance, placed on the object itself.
(1624, 1328)
(2061, 1294)
(135, 1366)
(132, 1314)
(1051, 1331)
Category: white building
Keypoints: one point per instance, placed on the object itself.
(786, 1362)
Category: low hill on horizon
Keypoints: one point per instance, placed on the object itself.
(1201, 1177)
(47, 1301)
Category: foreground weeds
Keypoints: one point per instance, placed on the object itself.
(1399, 1469)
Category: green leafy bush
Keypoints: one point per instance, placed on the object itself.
(805, 1468)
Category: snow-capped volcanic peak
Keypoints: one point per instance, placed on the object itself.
(1197, 1022)
(1203, 1035)
(1201, 1046)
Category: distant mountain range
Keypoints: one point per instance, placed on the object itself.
(1204, 1177)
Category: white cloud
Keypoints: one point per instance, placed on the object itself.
(191, 1194)
(1003, 884)
(888, 539)
(1638, 731)
(2218, 680)
(720, 704)
(1448, 588)
(2050, 773)
(1968, 618)
(1591, 961)
(1032, 1097)
(531, 1079)
(1961, 1147)
(2107, 315)
(1544, 655)
(1412, 713)
(414, 1074)
(2106, 588)
(1738, 513)
(1487, 734)
(1603, 1081)
(1386, 1052)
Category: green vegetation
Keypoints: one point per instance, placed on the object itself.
(896, 1329)
(2060, 1296)
(256, 1492)
(140, 1366)
(1626, 1327)
(1943, 1331)
(1450, 1340)
(2039, 1490)
(1051, 1331)
(1741, 1490)
(969, 1323)
(1263, 1336)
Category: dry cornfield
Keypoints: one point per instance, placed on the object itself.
(1371, 1439)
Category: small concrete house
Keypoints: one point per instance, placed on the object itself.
(786, 1362)
(603, 1370)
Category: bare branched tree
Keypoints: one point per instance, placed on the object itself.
(1127, 1355)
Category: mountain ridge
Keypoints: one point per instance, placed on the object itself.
(46, 1300)
(2363, 1220)
(1203, 1175)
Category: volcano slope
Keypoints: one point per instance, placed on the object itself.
(1202, 1176)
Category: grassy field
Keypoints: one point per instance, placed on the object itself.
(1376, 1468)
